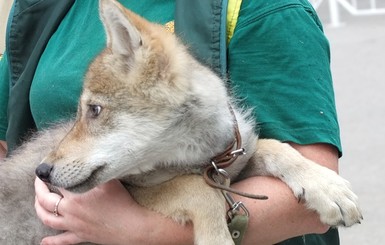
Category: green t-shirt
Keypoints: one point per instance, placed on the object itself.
(4, 74)
(71, 49)
(279, 64)
(278, 61)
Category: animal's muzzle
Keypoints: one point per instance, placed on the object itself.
(43, 171)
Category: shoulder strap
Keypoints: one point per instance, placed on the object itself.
(232, 17)
(202, 25)
(207, 27)
(24, 48)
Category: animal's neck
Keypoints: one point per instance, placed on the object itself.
(191, 152)
(206, 138)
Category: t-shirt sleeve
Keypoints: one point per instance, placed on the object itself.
(4, 92)
(279, 65)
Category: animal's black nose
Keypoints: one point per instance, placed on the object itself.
(43, 171)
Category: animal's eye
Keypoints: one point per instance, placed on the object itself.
(94, 110)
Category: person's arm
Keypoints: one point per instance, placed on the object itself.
(3, 149)
(282, 213)
(129, 223)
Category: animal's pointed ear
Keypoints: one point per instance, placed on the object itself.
(122, 35)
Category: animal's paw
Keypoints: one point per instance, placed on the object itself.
(331, 196)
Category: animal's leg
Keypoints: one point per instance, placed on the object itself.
(322, 189)
(188, 198)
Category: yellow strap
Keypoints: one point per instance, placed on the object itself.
(170, 26)
(233, 8)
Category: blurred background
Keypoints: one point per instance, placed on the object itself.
(356, 31)
(5, 5)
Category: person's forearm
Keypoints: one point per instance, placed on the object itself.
(323, 154)
(151, 228)
(278, 218)
(271, 221)
(164, 231)
(281, 216)
(3, 149)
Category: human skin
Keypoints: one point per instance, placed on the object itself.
(108, 214)
(3, 149)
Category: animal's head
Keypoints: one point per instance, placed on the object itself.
(145, 101)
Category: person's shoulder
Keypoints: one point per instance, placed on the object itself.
(262, 5)
(261, 8)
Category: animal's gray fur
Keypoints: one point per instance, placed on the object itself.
(158, 134)
(19, 224)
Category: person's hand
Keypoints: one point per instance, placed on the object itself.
(106, 214)
(96, 216)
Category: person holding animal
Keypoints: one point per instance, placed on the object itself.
(277, 62)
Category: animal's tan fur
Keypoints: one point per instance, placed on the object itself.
(151, 116)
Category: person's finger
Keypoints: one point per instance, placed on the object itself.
(48, 218)
(47, 200)
(46, 204)
(41, 186)
(65, 238)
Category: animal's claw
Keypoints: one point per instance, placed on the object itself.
(333, 199)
